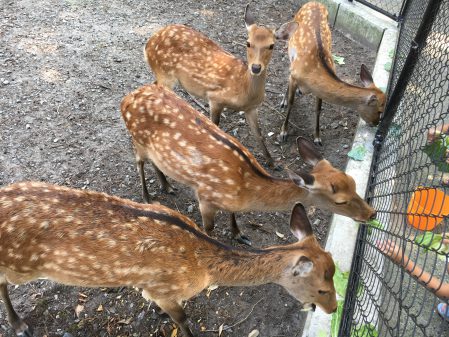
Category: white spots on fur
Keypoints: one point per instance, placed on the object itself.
(44, 224)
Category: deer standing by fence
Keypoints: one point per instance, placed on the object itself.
(179, 54)
(312, 70)
(90, 239)
(188, 147)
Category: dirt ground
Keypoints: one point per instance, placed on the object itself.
(64, 67)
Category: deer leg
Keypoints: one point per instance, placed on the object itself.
(237, 234)
(284, 99)
(165, 185)
(317, 139)
(20, 327)
(215, 112)
(208, 216)
(178, 315)
(145, 194)
(252, 119)
(291, 90)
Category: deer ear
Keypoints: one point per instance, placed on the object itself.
(249, 18)
(308, 151)
(286, 30)
(303, 267)
(302, 179)
(365, 76)
(299, 222)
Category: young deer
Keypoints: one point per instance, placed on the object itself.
(312, 70)
(91, 239)
(188, 147)
(180, 54)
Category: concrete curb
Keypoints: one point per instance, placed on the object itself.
(343, 231)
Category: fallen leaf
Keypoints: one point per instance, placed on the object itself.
(338, 59)
(174, 333)
(82, 295)
(125, 321)
(210, 289)
(358, 152)
(220, 330)
(254, 333)
(100, 308)
(79, 308)
(280, 235)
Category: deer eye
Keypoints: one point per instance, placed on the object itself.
(248, 44)
(322, 292)
(341, 203)
(271, 46)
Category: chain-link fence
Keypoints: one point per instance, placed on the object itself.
(399, 282)
(390, 8)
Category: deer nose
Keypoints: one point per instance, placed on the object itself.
(256, 68)
(373, 216)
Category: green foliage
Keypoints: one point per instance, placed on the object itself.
(365, 330)
(336, 319)
(395, 130)
(432, 241)
(374, 223)
(387, 66)
(322, 333)
(391, 53)
(437, 152)
(340, 281)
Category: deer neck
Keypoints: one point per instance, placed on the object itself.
(255, 85)
(339, 92)
(235, 267)
(274, 194)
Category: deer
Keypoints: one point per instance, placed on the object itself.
(312, 70)
(183, 144)
(179, 54)
(90, 239)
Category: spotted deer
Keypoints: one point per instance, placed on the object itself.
(312, 70)
(90, 239)
(179, 54)
(188, 147)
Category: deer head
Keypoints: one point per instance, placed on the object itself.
(309, 278)
(328, 187)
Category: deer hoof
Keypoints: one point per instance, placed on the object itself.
(243, 239)
(283, 136)
(169, 189)
(24, 330)
(317, 141)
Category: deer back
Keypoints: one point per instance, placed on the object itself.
(188, 147)
(313, 68)
(92, 239)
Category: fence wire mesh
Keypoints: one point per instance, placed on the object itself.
(399, 282)
(391, 8)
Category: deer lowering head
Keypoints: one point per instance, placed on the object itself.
(186, 146)
(312, 70)
(179, 54)
(90, 239)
